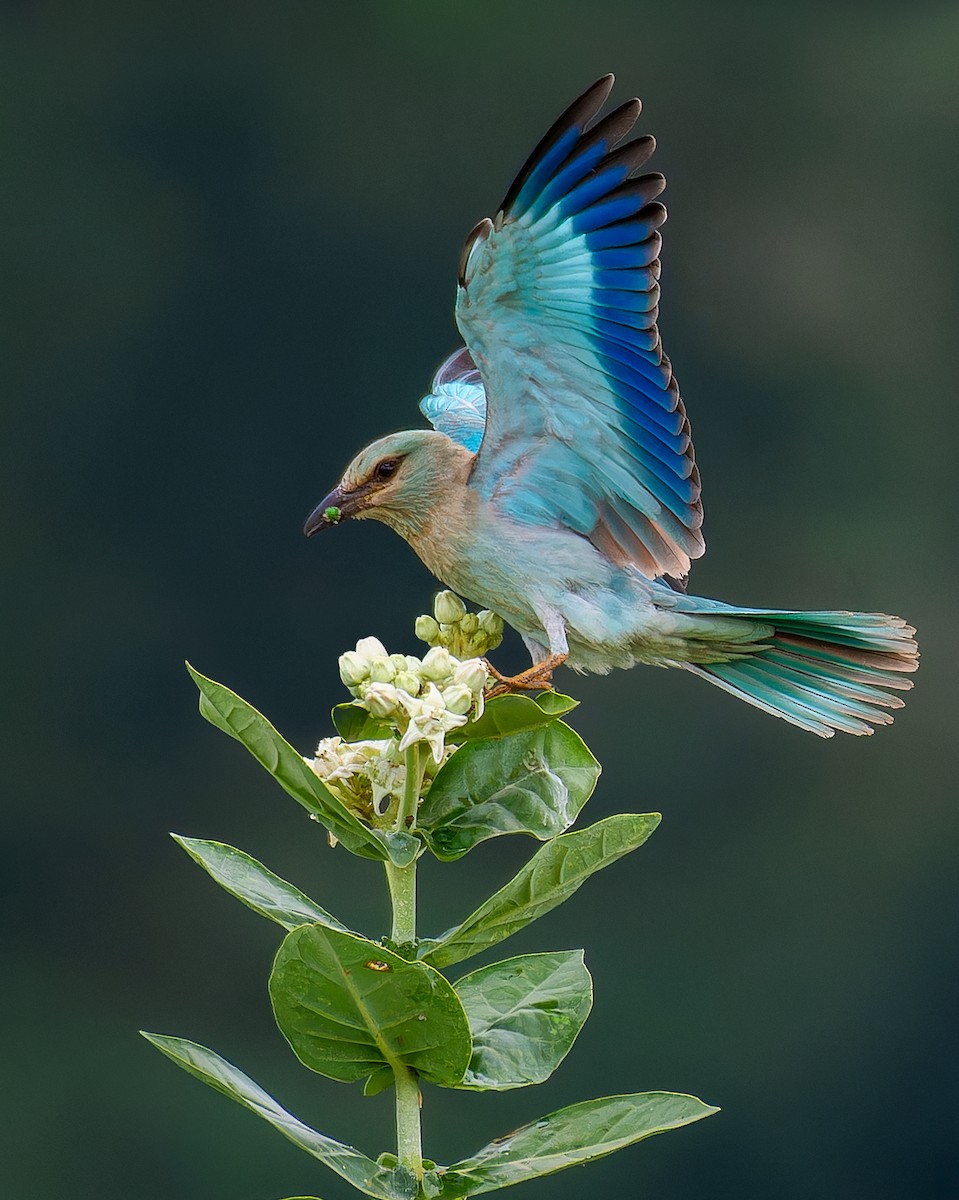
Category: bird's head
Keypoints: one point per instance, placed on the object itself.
(399, 479)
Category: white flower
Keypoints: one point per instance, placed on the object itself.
(386, 771)
(429, 721)
(329, 763)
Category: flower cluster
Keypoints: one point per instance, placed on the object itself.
(418, 700)
(463, 633)
(424, 699)
(365, 775)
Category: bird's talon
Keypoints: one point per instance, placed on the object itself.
(537, 678)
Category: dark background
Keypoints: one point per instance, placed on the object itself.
(230, 232)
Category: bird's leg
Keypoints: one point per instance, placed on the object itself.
(536, 678)
(539, 676)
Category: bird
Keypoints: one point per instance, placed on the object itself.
(558, 485)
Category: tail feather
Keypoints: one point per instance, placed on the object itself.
(823, 671)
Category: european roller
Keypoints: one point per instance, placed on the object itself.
(558, 485)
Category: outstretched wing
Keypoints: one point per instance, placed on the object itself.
(456, 403)
(557, 302)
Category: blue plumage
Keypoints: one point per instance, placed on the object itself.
(561, 488)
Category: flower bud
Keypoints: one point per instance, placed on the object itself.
(354, 668)
(400, 661)
(406, 681)
(458, 699)
(469, 624)
(381, 699)
(426, 629)
(471, 674)
(437, 664)
(491, 623)
(370, 647)
(448, 608)
(382, 670)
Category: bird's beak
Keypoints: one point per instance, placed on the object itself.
(335, 507)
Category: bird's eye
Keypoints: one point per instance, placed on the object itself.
(386, 468)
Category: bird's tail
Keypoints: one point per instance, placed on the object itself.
(823, 671)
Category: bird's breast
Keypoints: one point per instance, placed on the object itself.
(510, 567)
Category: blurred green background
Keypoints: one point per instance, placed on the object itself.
(229, 234)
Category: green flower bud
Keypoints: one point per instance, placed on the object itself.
(458, 699)
(406, 681)
(448, 608)
(469, 624)
(382, 670)
(354, 668)
(400, 661)
(491, 623)
(437, 665)
(427, 630)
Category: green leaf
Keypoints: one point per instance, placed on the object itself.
(551, 876)
(381, 1079)
(348, 1006)
(258, 888)
(571, 1136)
(355, 724)
(227, 711)
(347, 1162)
(531, 782)
(513, 713)
(524, 1014)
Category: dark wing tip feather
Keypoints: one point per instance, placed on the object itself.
(480, 229)
(611, 129)
(635, 153)
(579, 114)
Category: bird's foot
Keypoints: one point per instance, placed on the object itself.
(536, 678)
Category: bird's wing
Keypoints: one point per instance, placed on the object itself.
(557, 302)
(456, 403)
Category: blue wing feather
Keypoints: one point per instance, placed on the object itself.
(558, 303)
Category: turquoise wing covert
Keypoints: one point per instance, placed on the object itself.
(558, 302)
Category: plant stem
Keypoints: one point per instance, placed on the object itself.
(402, 885)
(415, 767)
(409, 1136)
